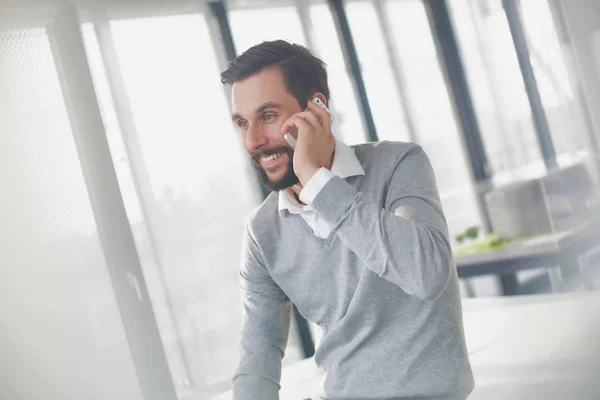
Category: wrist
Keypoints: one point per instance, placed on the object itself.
(315, 185)
(307, 173)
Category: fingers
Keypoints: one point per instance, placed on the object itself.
(306, 117)
(311, 118)
(297, 121)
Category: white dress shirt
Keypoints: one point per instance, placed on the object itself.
(345, 164)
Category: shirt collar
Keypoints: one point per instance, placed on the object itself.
(345, 164)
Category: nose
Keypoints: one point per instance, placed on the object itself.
(255, 138)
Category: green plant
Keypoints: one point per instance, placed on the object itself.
(472, 232)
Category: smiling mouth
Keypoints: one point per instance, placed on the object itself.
(270, 158)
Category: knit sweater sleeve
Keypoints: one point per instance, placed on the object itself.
(265, 328)
(405, 242)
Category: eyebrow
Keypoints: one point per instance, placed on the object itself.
(261, 108)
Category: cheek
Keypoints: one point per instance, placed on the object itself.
(273, 132)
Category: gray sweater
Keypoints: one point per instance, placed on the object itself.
(383, 287)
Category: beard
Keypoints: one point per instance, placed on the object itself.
(287, 180)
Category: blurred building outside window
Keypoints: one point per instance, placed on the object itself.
(201, 185)
(435, 126)
(62, 333)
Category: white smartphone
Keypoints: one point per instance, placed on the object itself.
(292, 135)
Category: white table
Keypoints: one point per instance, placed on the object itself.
(528, 347)
(553, 251)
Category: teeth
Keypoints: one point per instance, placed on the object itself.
(271, 157)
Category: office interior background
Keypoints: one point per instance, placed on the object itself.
(125, 186)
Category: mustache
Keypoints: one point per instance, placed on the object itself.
(256, 155)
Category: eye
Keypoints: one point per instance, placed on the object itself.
(268, 117)
(242, 123)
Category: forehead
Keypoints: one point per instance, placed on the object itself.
(265, 86)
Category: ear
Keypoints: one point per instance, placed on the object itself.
(321, 97)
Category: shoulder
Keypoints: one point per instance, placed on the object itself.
(386, 154)
(261, 220)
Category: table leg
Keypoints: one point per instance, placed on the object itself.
(556, 280)
(510, 284)
(469, 288)
(586, 272)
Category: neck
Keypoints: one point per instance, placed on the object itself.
(297, 188)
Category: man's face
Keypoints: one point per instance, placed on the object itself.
(261, 104)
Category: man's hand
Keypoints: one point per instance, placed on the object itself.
(315, 144)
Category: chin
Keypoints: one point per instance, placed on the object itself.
(277, 182)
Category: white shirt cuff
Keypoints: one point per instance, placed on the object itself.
(312, 188)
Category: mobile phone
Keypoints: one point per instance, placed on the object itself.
(292, 135)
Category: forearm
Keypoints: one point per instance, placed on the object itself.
(265, 327)
(259, 371)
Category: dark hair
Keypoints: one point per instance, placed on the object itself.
(303, 73)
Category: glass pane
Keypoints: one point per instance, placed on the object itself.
(496, 84)
(253, 26)
(436, 127)
(348, 124)
(202, 189)
(377, 73)
(62, 335)
(555, 82)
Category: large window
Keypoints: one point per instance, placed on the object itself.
(498, 90)
(422, 84)
(62, 335)
(199, 185)
(377, 71)
(558, 88)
